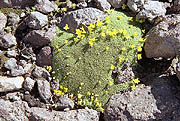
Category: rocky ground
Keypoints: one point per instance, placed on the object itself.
(27, 27)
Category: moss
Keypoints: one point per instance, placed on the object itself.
(13, 10)
(89, 65)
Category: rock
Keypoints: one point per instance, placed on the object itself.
(175, 7)
(163, 40)
(151, 10)
(28, 53)
(29, 84)
(7, 41)
(44, 90)
(18, 71)
(10, 84)
(40, 114)
(15, 96)
(32, 101)
(39, 38)
(16, 3)
(36, 20)
(13, 111)
(28, 68)
(45, 6)
(117, 3)
(85, 16)
(13, 19)
(11, 53)
(82, 5)
(103, 5)
(11, 63)
(39, 72)
(65, 102)
(135, 5)
(3, 21)
(156, 101)
(44, 57)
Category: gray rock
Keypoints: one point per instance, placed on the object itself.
(44, 90)
(7, 41)
(39, 72)
(163, 40)
(3, 21)
(11, 53)
(10, 84)
(151, 10)
(65, 102)
(28, 68)
(28, 53)
(15, 96)
(135, 5)
(82, 5)
(36, 20)
(16, 3)
(29, 83)
(156, 101)
(40, 114)
(45, 6)
(80, 17)
(39, 38)
(13, 111)
(13, 19)
(103, 5)
(117, 3)
(175, 7)
(11, 63)
(18, 71)
(44, 57)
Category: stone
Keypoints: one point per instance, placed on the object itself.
(36, 20)
(45, 6)
(39, 38)
(7, 41)
(16, 3)
(40, 114)
(82, 5)
(135, 5)
(29, 83)
(13, 111)
(151, 10)
(28, 68)
(117, 3)
(28, 53)
(13, 19)
(103, 5)
(65, 102)
(44, 90)
(39, 72)
(10, 83)
(163, 40)
(80, 17)
(175, 7)
(156, 101)
(11, 63)
(44, 57)
(15, 96)
(18, 71)
(3, 21)
(11, 53)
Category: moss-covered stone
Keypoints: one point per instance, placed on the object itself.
(79, 63)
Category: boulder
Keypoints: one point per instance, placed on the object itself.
(135, 5)
(7, 41)
(3, 21)
(117, 3)
(103, 4)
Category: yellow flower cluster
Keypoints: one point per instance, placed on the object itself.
(91, 41)
(61, 92)
(135, 81)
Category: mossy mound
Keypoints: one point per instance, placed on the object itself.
(77, 64)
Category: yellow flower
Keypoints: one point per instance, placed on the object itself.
(92, 26)
(71, 96)
(92, 98)
(99, 82)
(126, 59)
(91, 43)
(61, 87)
(76, 39)
(62, 93)
(141, 21)
(57, 46)
(130, 19)
(66, 27)
(65, 41)
(139, 49)
(123, 6)
(143, 31)
(136, 80)
(83, 31)
(107, 48)
(59, 50)
(111, 83)
(92, 39)
(142, 40)
(96, 95)
(127, 36)
(96, 100)
(99, 23)
(119, 17)
(101, 109)
(104, 27)
(139, 56)
(79, 96)
(107, 18)
(88, 93)
(103, 34)
(132, 46)
(135, 34)
(55, 91)
(79, 102)
(133, 87)
(108, 21)
(81, 83)
(69, 73)
(78, 32)
(124, 32)
(112, 67)
(121, 59)
(123, 49)
(65, 89)
(121, 31)
(80, 88)
(59, 92)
